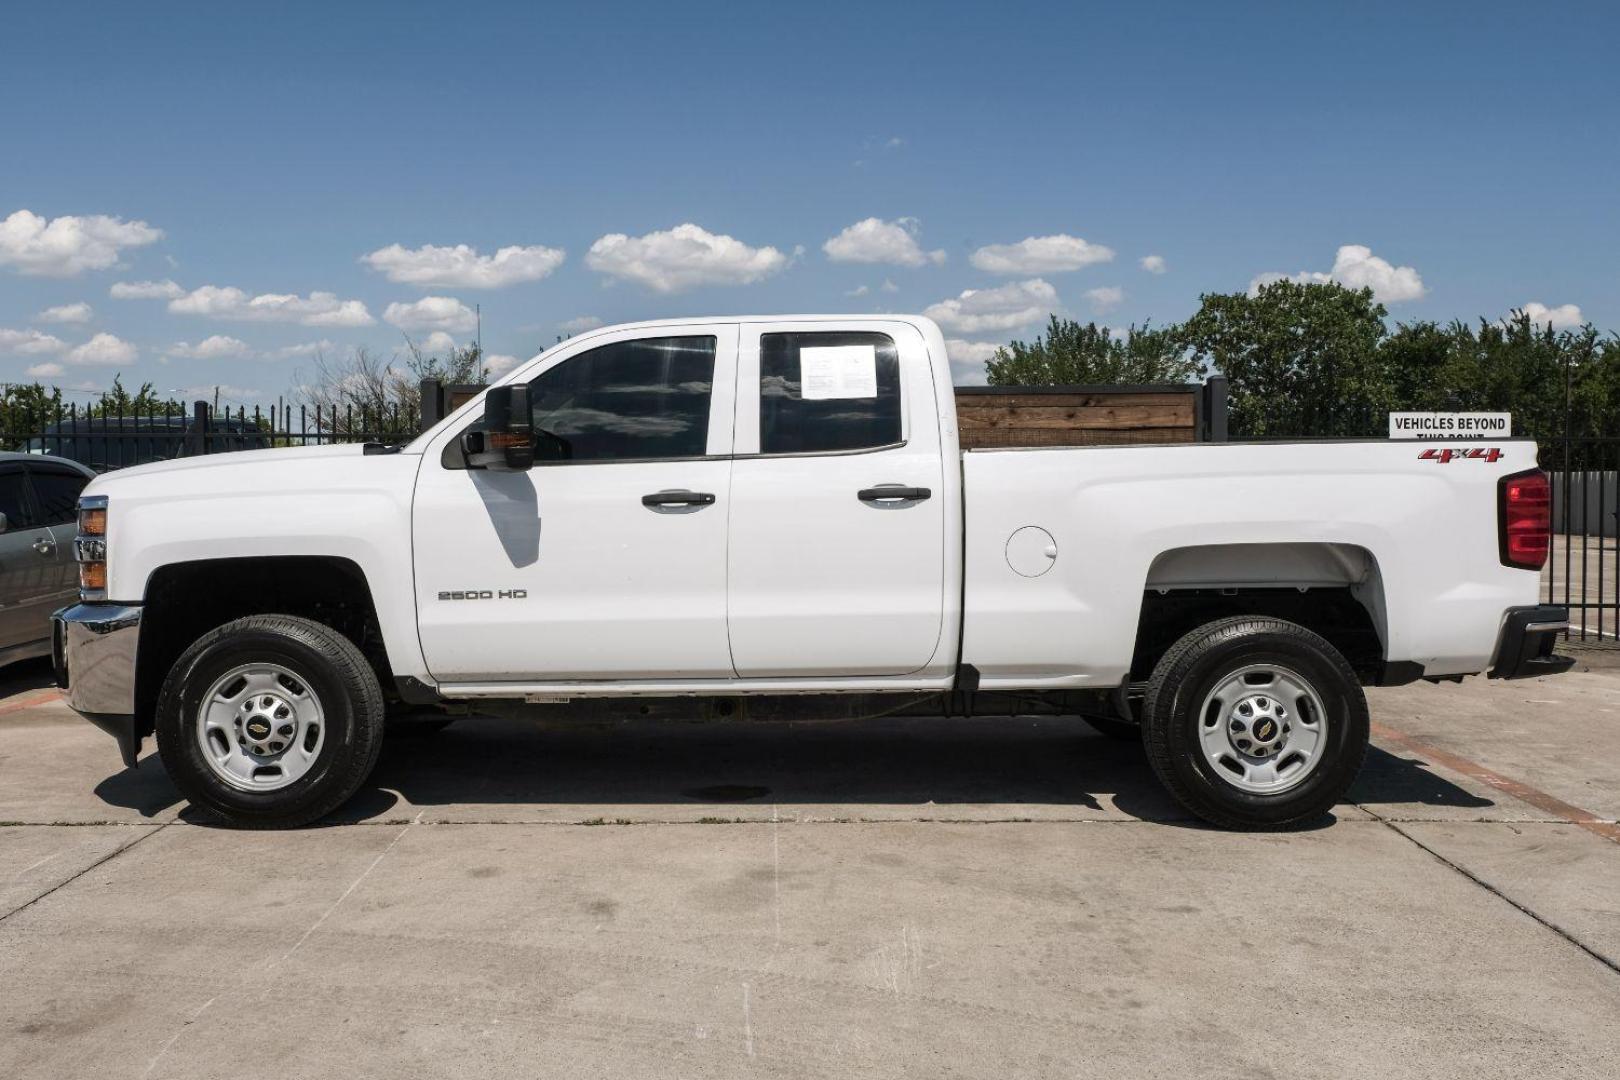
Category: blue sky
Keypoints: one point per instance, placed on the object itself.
(1461, 158)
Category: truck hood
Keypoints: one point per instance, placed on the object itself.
(240, 459)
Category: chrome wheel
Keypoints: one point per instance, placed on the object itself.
(1263, 728)
(260, 727)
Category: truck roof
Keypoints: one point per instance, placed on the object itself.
(920, 321)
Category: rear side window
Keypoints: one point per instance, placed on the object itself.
(627, 401)
(825, 392)
(58, 494)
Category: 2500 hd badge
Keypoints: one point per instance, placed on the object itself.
(485, 594)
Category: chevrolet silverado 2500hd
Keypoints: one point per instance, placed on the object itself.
(735, 509)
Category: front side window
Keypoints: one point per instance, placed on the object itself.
(826, 392)
(628, 400)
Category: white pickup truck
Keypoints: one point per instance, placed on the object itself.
(724, 509)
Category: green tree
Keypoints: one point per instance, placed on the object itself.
(1510, 365)
(366, 394)
(1302, 360)
(1425, 361)
(1072, 354)
(118, 401)
(25, 410)
(461, 365)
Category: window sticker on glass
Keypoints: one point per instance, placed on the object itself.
(837, 371)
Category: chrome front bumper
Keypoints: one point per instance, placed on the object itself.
(93, 648)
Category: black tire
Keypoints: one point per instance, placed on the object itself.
(1195, 665)
(333, 669)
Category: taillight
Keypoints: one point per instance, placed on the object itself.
(1524, 519)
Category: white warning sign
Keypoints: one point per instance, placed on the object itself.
(1450, 425)
(837, 371)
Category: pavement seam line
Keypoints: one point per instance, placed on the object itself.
(355, 884)
(1517, 789)
(153, 830)
(247, 976)
(1612, 965)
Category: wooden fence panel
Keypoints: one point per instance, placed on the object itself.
(1076, 416)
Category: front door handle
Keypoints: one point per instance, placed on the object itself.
(678, 498)
(893, 493)
(45, 547)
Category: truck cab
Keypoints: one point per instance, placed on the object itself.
(696, 516)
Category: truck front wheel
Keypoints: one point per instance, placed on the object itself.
(270, 721)
(1255, 723)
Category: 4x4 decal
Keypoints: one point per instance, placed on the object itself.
(1457, 454)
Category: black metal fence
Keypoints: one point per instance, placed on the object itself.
(1581, 572)
(106, 438)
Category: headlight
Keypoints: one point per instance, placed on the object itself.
(90, 547)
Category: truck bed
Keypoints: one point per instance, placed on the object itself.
(1412, 532)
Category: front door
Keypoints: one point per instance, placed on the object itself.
(606, 561)
(837, 557)
(57, 488)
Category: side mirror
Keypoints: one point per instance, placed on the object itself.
(506, 442)
(5, 525)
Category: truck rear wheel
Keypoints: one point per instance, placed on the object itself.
(270, 721)
(1255, 723)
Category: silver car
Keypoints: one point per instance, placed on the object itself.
(39, 497)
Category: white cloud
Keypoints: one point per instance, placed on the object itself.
(432, 313)
(1154, 264)
(103, 349)
(889, 286)
(1356, 267)
(1006, 307)
(968, 359)
(223, 391)
(683, 257)
(1040, 255)
(1105, 298)
(437, 343)
(873, 240)
(80, 312)
(859, 290)
(68, 245)
(1562, 317)
(500, 363)
(461, 267)
(309, 348)
(316, 309)
(579, 325)
(145, 290)
(29, 343)
(45, 371)
(217, 347)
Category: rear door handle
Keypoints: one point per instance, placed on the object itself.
(893, 493)
(678, 498)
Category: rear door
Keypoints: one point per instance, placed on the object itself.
(836, 562)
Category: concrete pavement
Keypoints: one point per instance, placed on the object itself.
(1002, 898)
